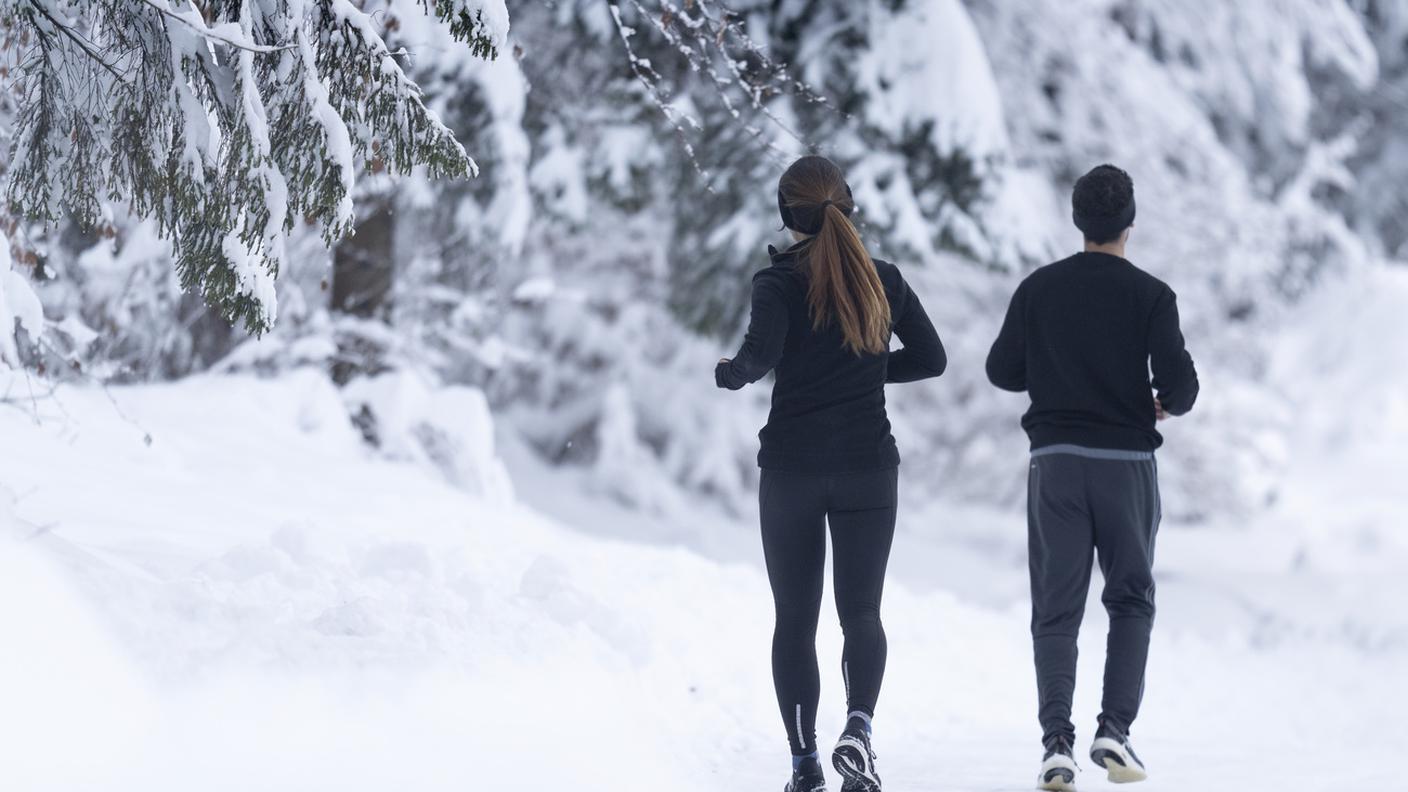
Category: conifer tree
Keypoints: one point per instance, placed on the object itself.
(226, 122)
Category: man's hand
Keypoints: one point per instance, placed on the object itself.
(722, 361)
(1159, 413)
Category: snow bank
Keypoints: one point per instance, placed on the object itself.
(218, 583)
(448, 427)
(19, 307)
(63, 679)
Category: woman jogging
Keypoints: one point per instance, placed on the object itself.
(822, 316)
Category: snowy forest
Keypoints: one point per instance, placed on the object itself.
(357, 427)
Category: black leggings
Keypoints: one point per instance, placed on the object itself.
(795, 509)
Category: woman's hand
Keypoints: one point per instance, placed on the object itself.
(720, 375)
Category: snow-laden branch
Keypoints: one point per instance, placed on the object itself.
(229, 34)
(66, 30)
(713, 42)
(224, 123)
(650, 80)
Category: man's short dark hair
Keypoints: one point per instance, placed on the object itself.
(1102, 203)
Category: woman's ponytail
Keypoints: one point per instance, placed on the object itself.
(843, 284)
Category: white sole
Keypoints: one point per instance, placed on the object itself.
(1057, 776)
(1118, 774)
(1119, 766)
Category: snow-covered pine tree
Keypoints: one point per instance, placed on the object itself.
(898, 91)
(226, 122)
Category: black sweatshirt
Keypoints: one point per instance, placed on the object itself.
(828, 404)
(1081, 336)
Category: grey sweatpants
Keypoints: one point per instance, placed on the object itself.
(1081, 500)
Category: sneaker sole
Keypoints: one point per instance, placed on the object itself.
(853, 766)
(1115, 770)
(1058, 780)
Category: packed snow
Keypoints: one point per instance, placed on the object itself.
(220, 583)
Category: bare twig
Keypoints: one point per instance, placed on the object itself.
(30, 399)
(699, 60)
(643, 71)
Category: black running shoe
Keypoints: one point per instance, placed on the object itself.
(807, 777)
(854, 759)
(1112, 751)
(1058, 766)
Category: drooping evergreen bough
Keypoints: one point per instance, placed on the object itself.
(226, 122)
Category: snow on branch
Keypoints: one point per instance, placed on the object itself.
(228, 34)
(713, 42)
(226, 123)
(483, 24)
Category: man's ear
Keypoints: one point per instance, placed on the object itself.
(1124, 235)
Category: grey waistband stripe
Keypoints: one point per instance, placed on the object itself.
(1094, 453)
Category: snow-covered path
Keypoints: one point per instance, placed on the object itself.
(256, 600)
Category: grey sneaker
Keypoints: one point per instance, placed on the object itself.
(1058, 766)
(1112, 751)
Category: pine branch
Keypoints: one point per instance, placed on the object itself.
(196, 22)
(471, 28)
(78, 40)
(222, 127)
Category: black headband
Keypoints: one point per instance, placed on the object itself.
(807, 219)
(1104, 226)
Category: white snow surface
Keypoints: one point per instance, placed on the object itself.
(217, 584)
(19, 307)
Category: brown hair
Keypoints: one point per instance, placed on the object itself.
(842, 282)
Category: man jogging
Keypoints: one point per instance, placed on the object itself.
(1082, 336)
